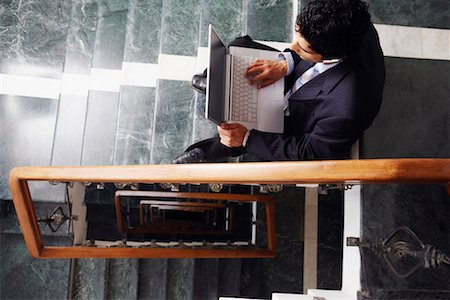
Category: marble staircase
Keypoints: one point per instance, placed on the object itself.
(99, 116)
(137, 124)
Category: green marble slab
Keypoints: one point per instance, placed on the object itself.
(174, 120)
(100, 129)
(143, 34)
(270, 20)
(110, 34)
(228, 17)
(81, 37)
(27, 127)
(135, 126)
(69, 131)
(33, 37)
(417, 13)
(180, 27)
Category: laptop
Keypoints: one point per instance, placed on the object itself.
(230, 97)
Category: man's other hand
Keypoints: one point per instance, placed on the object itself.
(232, 135)
(264, 72)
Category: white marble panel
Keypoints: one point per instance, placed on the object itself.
(107, 80)
(400, 41)
(414, 42)
(177, 67)
(28, 86)
(202, 59)
(140, 74)
(436, 43)
(75, 84)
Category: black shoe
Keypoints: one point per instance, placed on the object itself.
(198, 82)
(189, 157)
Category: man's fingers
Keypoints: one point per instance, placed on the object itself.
(254, 69)
(265, 83)
(228, 126)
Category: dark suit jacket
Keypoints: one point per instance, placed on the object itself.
(330, 112)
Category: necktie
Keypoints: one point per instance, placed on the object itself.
(303, 79)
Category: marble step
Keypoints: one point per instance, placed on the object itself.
(24, 277)
(105, 278)
(123, 278)
(152, 278)
(206, 278)
(180, 278)
(229, 277)
(10, 224)
(175, 100)
(88, 278)
(103, 106)
(136, 111)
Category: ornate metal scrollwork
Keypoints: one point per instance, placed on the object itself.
(56, 219)
(215, 187)
(324, 188)
(404, 252)
(173, 187)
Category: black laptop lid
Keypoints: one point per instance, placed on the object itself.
(215, 91)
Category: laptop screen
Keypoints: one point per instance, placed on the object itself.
(215, 91)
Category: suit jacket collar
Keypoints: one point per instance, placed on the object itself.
(324, 82)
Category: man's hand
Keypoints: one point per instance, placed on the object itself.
(264, 72)
(232, 135)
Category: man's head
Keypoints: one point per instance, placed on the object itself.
(328, 29)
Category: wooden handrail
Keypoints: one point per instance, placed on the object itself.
(365, 171)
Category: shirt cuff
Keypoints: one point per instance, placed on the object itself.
(247, 134)
(288, 57)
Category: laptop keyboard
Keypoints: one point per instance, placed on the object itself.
(244, 95)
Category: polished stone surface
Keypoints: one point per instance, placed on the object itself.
(24, 277)
(424, 209)
(151, 286)
(414, 120)
(180, 26)
(33, 37)
(110, 34)
(81, 37)
(89, 278)
(45, 38)
(330, 240)
(143, 31)
(27, 127)
(418, 13)
(173, 127)
(203, 128)
(205, 278)
(180, 274)
(227, 17)
(123, 278)
(69, 131)
(270, 20)
(135, 126)
(100, 129)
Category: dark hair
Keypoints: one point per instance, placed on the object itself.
(333, 28)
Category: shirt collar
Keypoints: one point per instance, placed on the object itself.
(326, 65)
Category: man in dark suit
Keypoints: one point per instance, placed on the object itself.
(334, 74)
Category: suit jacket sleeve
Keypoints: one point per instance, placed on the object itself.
(331, 138)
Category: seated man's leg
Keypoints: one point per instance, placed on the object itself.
(209, 150)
